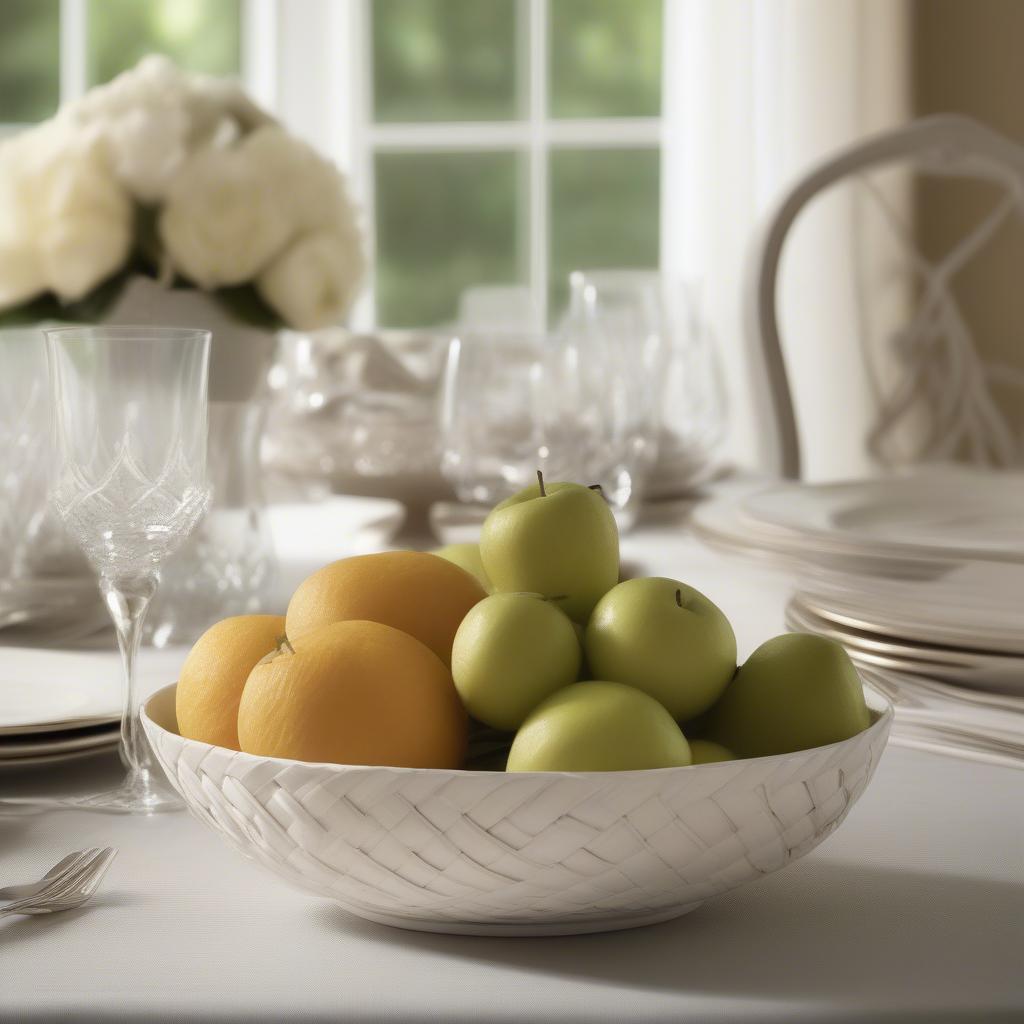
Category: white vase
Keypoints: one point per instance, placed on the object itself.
(240, 354)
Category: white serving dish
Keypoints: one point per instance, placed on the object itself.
(530, 853)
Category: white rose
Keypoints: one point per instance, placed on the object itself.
(312, 188)
(63, 215)
(21, 275)
(214, 103)
(313, 283)
(155, 116)
(224, 219)
(143, 116)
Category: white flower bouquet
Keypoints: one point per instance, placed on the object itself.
(181, 178)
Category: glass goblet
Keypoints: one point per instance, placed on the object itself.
(604, 374)
(130, 409)
(491, 437)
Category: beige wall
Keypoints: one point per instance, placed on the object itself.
(969, 58)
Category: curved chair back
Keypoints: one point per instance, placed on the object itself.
(944, 146)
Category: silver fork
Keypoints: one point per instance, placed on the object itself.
(61, 868)
(67, 885)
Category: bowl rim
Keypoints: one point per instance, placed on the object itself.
(880, 707)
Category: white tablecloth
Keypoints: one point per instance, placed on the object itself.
(913, 910)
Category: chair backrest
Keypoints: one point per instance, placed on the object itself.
(942, 371)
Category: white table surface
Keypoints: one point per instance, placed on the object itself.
(913, 910)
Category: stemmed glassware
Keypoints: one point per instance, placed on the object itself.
(131, 424)
(658, 326)
(604, 376)
(491, 417)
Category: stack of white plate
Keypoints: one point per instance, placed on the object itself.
(920, 527)
(55, 706)
(951, 720)
(979, 645)
(920, 578)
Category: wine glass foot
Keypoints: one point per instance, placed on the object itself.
(138, 794)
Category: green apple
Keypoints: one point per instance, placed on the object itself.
(666, 639)
(708, 752)
(557, 539)
(598, 727)
(794, 692)
(511, 651)
(465, 556)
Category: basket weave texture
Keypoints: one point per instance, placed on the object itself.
(533, 852)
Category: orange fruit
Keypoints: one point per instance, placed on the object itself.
(214, 674)
(354, 692)
(419, 593)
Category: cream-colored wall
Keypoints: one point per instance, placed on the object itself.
(969, 59)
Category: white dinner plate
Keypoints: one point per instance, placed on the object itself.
(982, 670)
(725, 525)
(40, 760)
(943, 517)
(888, 643)
(43, 690)
(952, 613)
(65, 741)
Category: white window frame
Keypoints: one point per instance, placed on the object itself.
(342, 84)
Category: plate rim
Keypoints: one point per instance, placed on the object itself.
(849, 542)
(11, 750)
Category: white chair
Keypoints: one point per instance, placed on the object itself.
(941, 380)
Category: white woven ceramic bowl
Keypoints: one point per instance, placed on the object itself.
(528, 853)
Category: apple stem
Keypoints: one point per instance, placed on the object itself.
(595, 487)
(283, 643)
(679, 597)
(540, 483)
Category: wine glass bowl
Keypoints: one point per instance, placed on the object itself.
(491, 413)
(604, 374)
(130, 407)
(131, 434)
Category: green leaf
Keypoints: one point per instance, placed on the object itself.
(47, 307)
(244, 303)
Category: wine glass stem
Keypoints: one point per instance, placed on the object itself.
(127, 598)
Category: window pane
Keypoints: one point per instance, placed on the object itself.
(29, 59)
(444, 221)
(604, 212)
(200, 35)
(444, 60)
(605, 58)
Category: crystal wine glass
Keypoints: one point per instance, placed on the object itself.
(604, 375)
(491, 437)
(130, 409)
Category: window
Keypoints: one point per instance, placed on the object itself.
(509, 142)
(201, 35)
(29, 60)
(51, 50)
(489, 141)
